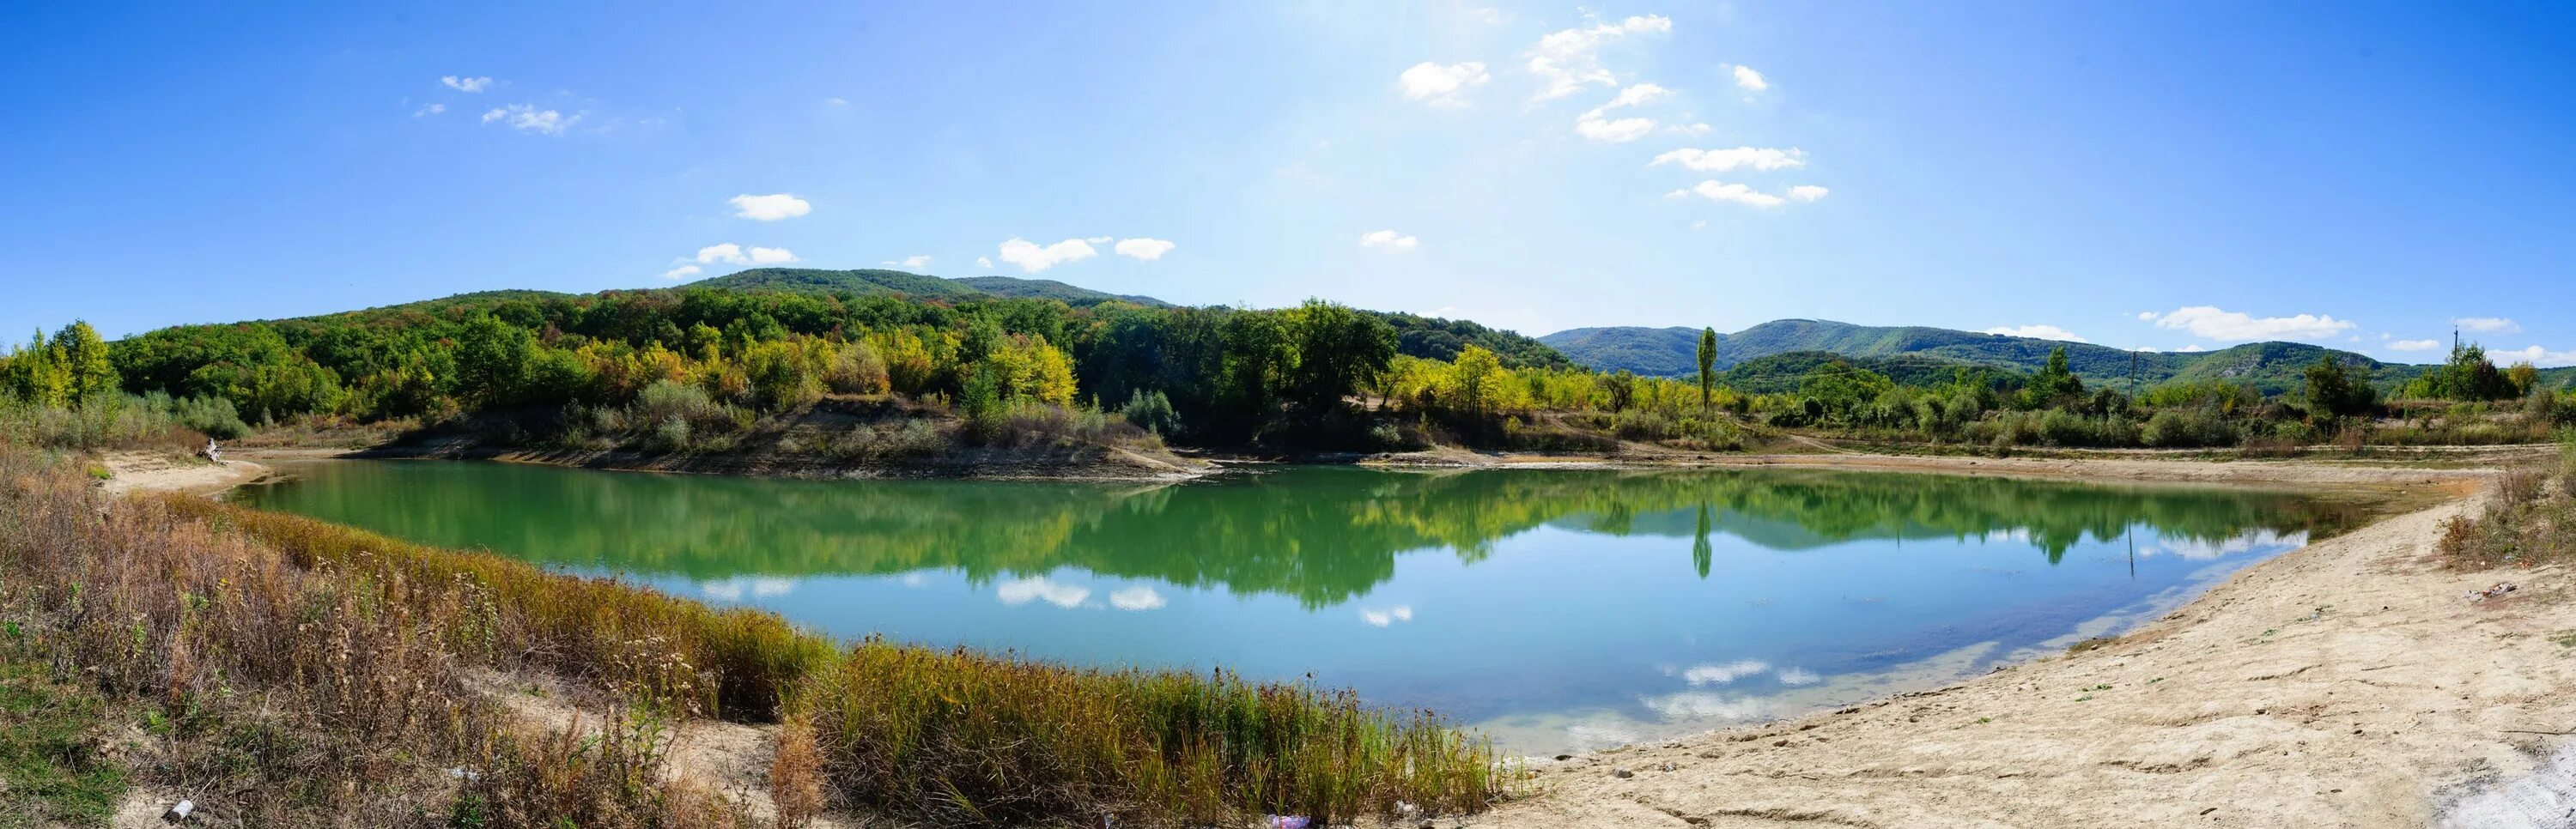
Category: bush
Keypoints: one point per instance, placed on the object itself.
(1152, 412)
(2186, 428)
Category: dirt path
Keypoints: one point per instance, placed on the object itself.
(2345, 684)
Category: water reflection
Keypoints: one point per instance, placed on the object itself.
(1320, 535)
(1559, 608)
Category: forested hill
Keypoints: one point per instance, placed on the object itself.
(1671, 352)
(1419, 336)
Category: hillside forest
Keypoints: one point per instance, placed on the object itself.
(695, 369)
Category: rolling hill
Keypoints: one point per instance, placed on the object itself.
(1671, 352)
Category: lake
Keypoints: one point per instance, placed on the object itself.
(1555, 609)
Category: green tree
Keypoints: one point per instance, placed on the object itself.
(1339, 352)
(492, 360)
(87, 371)
(2055, 382)
(1707, 364)
(2332, 392)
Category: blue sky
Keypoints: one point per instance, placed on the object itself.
(2166, 175)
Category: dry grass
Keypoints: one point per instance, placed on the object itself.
(275, 693)
(2530, 522)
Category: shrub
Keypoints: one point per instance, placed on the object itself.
(1152, 412)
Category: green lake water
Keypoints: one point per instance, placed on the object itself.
(1556, 609)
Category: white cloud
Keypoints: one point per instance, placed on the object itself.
(2488, 325)
(683, 272)
(1033, 258)
(2534, 355)
(1692, 129)
(525, 118)
(1595, 124)
(985, 262)
(913, 262)
(2040, 332)
(1719, 161)
(1807, 192)
(1136, 598)
(1440, 85)
(1101, 240)
(2193, 348)
(1387, 239)
(838, 102)
(1700, 225)
(1715, 190)
(769, 208)
(1569, 60)
(1020, 591)
(733, 254)
(1750, 80)
(1143, 248)
(1383, 618)
(2415, 345)
(1620, 131)
(2147, 316)
(2212, 323)
(466, 84)
(1493, 16)
(432, 109)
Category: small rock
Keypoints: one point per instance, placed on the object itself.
(1564, 757)
(1667, 767)
(1622, 773)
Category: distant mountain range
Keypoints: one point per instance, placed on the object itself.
(1673, 352)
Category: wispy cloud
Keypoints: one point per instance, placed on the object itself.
(2038, 332)
(464, 84)
(1596, 124)
(1723, 160)
(1739, 193)
(2415, 345)
(2211, 323)
(2488, 325)
(527, 118)
(734, 254)
(913, 262)
(683, 272)
(1567, 61)
(1440, 84)
(1388, 239)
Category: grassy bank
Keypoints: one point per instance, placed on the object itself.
(2526, 523)
(313, 673)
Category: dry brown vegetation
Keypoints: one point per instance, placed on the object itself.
(2526, 524)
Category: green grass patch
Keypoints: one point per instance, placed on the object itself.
(51, 772)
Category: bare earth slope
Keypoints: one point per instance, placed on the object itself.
(2345, 684)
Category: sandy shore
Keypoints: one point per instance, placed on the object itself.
(2348, 683)
(149, 472)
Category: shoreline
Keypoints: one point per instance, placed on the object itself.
(2343, 683)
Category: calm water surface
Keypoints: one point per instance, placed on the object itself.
(1556, 609)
